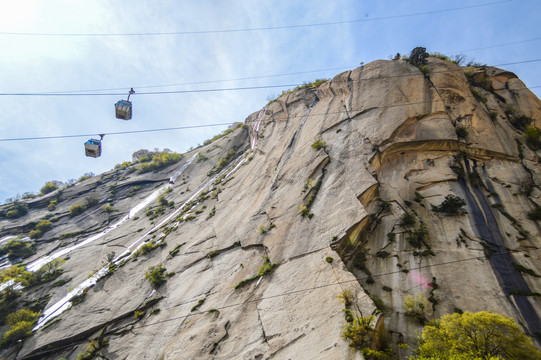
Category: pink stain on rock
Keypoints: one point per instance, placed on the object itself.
(418, 278)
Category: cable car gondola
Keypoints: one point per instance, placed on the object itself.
(123, 108)
(93, 147)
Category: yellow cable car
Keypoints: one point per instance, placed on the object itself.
(123, 108)
(93, 147)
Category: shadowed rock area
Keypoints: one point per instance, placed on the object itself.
(262, 231)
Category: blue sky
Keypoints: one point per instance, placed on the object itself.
(498, 32)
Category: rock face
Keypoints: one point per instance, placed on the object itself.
(257, 253)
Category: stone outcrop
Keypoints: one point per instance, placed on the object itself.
(256, 255)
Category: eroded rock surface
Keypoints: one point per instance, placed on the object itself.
(391, 147)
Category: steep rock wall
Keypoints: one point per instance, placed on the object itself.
(391, 147)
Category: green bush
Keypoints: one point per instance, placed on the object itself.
(407, 220)
(35, 234)
(70, 234)
(452, 205)
(124, 165)
(319, 144)
(245, 282)
(201, 158)
(263, 270)
(52, 205)
(443, 57)
(155, 275)
(86, 176)
(16, 210)
(312, 85)
(21, 324)
(77, 299)
(418, 307)
(107, 208)
(346, 297)
(533, 138)
(519, 149)
(42, 227)
(439, 56)
(91, 201)
(155, 311)
(147, 248)
(478, 96)
(212, 212)
(263, 229)
(162, 200)
(18, 274)
(77, 209)
(198, 305)
(138, 314)
(359, 332)
(418, 56)
(521, 122)
(360, 257)
(418, 236)
(152, 214)
(49, 271)
(486, 83)
(158, 161)
(477, 78)
(17, 248)
(267, 267)
(94, 347)
(48, 187)
(133, 190)
(481, 335)
(521, 268)
(483, 82)
(305, 208)
(28, 195)
(308, 186)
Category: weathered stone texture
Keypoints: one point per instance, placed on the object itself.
(391, 147)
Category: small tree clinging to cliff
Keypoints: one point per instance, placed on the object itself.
(452, 205)
(155, 275)
(21, 324)
(418, 307)
(77, 209)
(17, 209)
(319, 144)
(49, 187)
(418, 56)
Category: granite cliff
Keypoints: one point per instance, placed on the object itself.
(331, 200)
